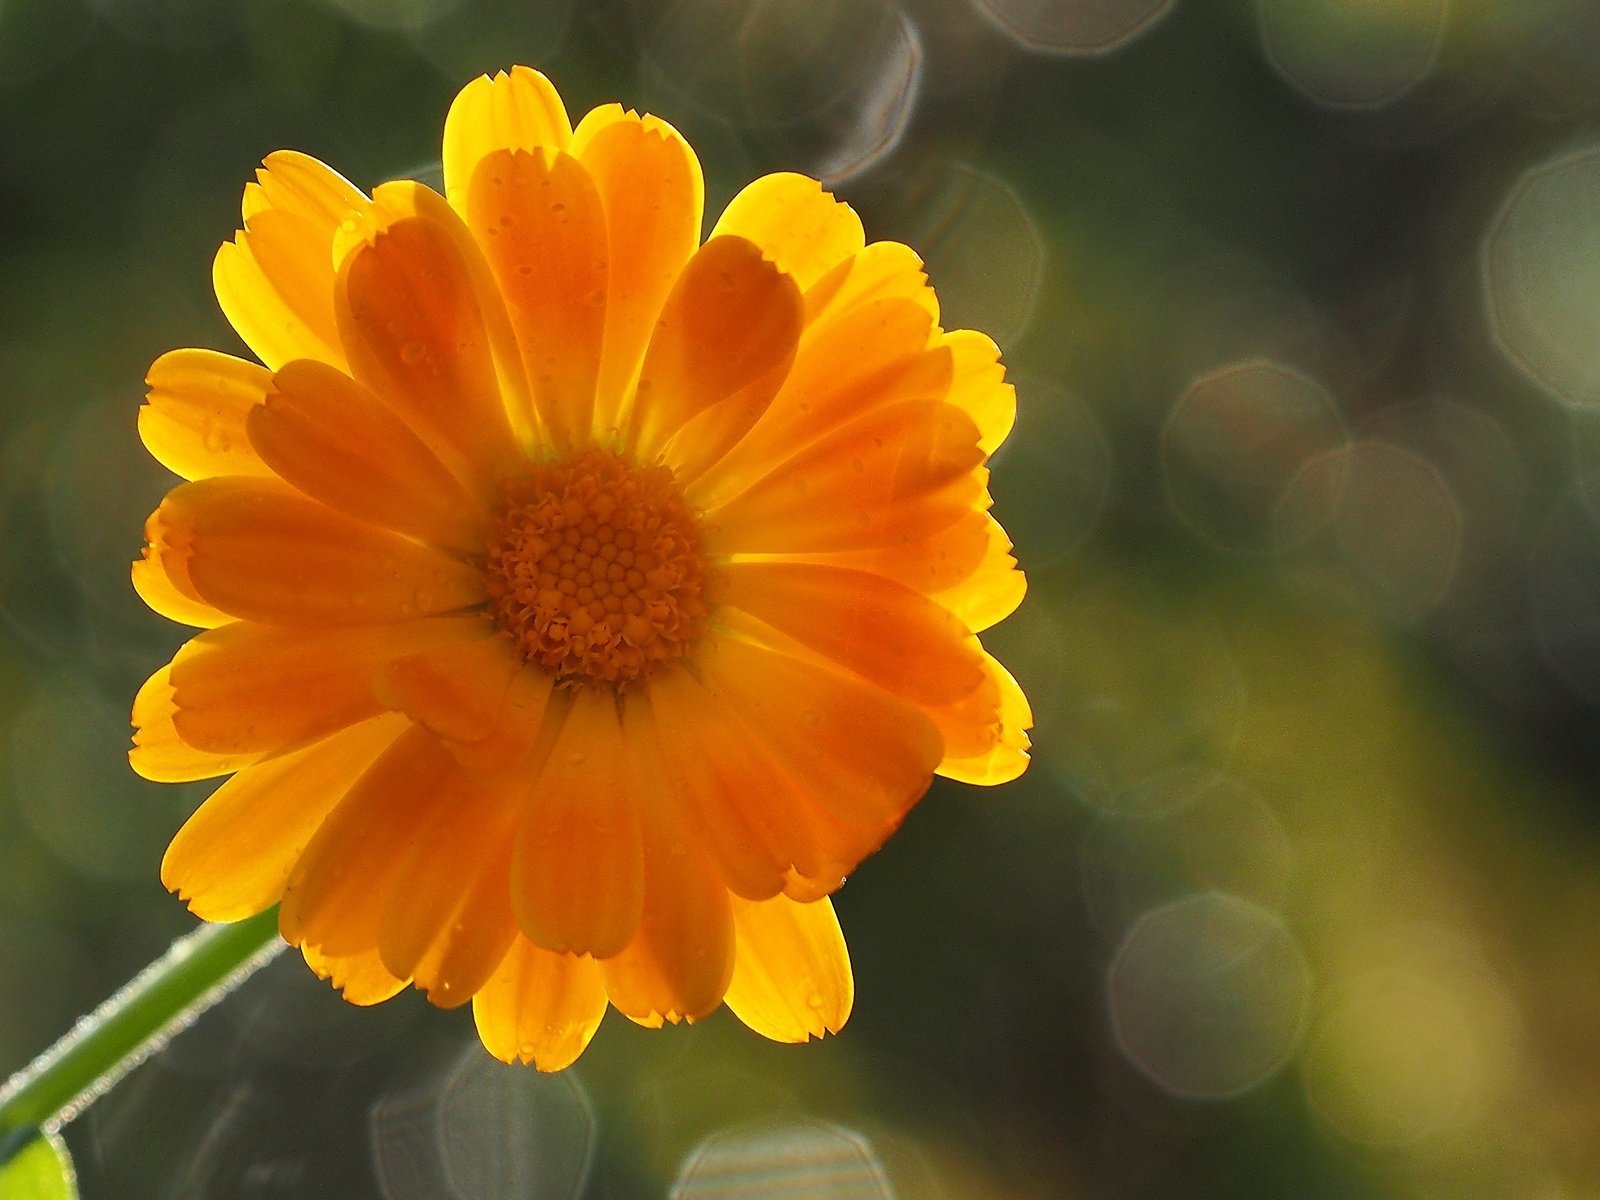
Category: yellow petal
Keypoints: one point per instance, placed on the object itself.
(519, 110)
(540, 1007)
(338, 443)
(577, 875)
(1007, 756)
(360, 977)
(791, 974)
(881, 271)
(159, 592)
(193, 419)
(652, 191)
(979, 387)
(275, 280)
(259, 550)
(992, 589)
(718, 355)
(540, 221)
(232, 856)
(159, 753)
(795, 224)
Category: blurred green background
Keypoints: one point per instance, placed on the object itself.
(1301, 896)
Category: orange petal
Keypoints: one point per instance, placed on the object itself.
(540, 1007)
(652, 192)
(159, 753)
(193, 419)
(881, 630)
(159, 592)
(742, 809)
(577, 874)
(979, 387)
(895, 474)
(334, 440)
(935, 565)
(1005, 756)
(260, 550)
(261, 688)
(233, 855)
(678, 966)
(425, 330)
(479, 697)
(795, 224)
(855, 749)
(335, 895)
(719, 353)
(361, 977)
(448, 924)
(517, 111)
(791, 974)
(873, 357)
(275, 280)
(542, 226)
(882, 270)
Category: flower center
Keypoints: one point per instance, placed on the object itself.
(596, 568)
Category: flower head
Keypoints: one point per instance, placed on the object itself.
(580, 602)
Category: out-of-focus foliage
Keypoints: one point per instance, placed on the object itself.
(1302, 298)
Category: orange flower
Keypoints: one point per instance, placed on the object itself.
(580, 602)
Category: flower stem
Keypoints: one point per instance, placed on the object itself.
(198, 970)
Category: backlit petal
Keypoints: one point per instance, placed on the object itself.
(1006, 755)
(233, 855)
(274, 281)
(678, 966)
(542, 226)
(652, 192)
(159, 753)
(887, 633)
(360, 978)
(159, 592)
(881, 271)
(337, 442)
(795, 224)
(718, 355)
(448, 923)
(260, 550)
(334, 897)
(854, 748)
(577, 875)
(540, 1007)
(193, 419)
(264, 688)
(897, 473)
(515, 110)
(791, 974)
(423, 328)
(979, 386)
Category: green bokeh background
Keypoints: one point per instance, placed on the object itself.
(1301, 895)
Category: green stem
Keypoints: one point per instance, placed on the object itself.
(198, 970)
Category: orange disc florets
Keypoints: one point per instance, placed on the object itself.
(596, 568)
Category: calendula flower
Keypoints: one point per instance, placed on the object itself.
(580, 601)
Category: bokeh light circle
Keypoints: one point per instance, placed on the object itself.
(1352, 53)
(793, 1160)
(1541, 288)
(1235, 440)
(1208, 995)
(1073, 27)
